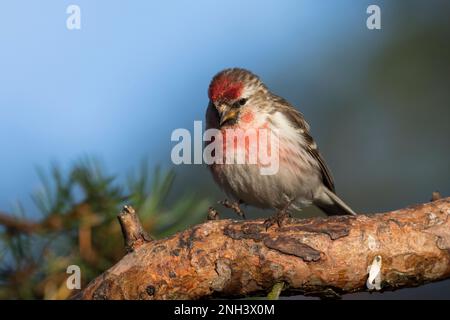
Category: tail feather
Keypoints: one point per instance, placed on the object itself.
(331, 204)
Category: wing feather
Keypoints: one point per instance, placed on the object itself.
(298, 121)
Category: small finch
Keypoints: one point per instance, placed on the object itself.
(240, 100)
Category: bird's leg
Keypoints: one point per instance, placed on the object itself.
(233, 205)
(279, 216)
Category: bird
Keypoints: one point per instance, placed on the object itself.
(238, 99)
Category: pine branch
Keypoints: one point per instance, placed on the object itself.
(53, 222)
(17, 225)
(322, 257)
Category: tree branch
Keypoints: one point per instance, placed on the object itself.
(53, 222)
(17, 225)
(319, 256)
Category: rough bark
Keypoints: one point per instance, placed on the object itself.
(318, 256)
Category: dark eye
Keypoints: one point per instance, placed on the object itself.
(242, 101)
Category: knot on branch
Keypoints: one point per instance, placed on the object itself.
(132, 230)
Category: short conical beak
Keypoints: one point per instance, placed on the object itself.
(228, 114)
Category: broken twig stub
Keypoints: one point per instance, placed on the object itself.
(132, 230)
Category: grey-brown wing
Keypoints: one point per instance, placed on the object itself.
(298, 120)
(327, 178)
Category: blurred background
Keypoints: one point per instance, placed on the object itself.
(87, 115)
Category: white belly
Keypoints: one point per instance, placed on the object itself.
(244, 182)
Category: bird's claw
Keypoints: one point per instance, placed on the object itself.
(278, 218)
(235, 206)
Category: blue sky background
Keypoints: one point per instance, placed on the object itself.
(134, 72)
